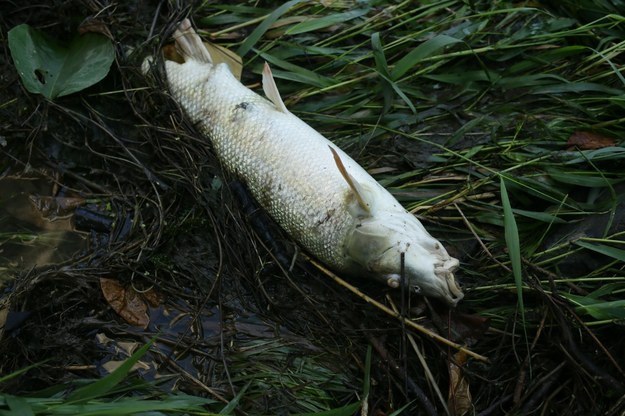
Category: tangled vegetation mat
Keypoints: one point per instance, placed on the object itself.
(499, 124)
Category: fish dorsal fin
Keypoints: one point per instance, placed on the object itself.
(271, 89)
(353, 183)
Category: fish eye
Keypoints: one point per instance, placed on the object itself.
(393, 281)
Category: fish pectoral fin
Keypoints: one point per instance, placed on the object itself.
(353, 183)
(271, 89)
(189, 44)
(366, 245)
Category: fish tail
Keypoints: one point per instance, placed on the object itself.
(189, 44)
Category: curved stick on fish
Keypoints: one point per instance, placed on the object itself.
(396, 315)
(271, 89)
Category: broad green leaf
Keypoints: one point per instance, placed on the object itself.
(46, 67)
(427, 48)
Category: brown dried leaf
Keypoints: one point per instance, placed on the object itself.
(587, 140)
(126, 302)
(56, 206)
(92, 25)
(152, 297)
(459, 401)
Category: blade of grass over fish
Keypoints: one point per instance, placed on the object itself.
(511, 232)
(253, 38)
(104, 385)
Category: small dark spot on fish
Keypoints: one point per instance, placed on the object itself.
(242, 106)
(329, 215)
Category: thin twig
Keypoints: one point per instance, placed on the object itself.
(397, 316)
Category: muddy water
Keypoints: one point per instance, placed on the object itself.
(35, 225)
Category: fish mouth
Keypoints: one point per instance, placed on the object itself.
(454, 294)
(445, 273)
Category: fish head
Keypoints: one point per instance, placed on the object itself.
(377, 244)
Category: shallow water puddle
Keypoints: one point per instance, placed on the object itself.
(35, 225)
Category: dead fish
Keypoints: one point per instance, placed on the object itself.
(318, 194)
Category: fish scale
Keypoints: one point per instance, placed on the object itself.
(306, 198)
(318, 194)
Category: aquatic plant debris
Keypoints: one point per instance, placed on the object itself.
(53, 70)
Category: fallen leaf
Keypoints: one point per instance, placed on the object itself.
(587, 140)
(52, 207)
(152, 297)
(459, 401)
(126, 302)
(91, 25)
(113, 365)
(49, 68)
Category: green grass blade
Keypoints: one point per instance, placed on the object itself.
(378, 55)
(296, 73)
(104, 385)
(613, 252)
(229, 408)
(20, 371)
(325, 21)
(427, 48)
(19, 406)
(348, 410)
(251, 40)
(514, 245)
(597, 308)
(366, 388)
